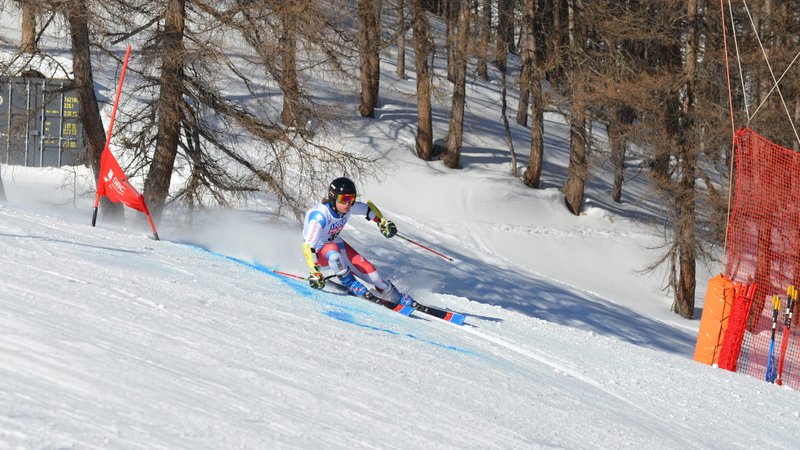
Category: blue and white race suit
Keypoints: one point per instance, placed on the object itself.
(321, 228)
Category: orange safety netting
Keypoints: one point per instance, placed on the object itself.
(764, 245)
(732, 341)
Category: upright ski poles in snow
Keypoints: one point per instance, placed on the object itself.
(380, 216)
(772, 366)
(790, 301)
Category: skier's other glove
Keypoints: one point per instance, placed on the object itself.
(316, 280)
(387, 227)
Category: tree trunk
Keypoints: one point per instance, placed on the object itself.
(685, 226)
(289, 84)
(572, 24)
(28, 38)
(796, 119)
(554, 75)
(575, 184)
(455, 131)
(617, 144)
(524, 94)
(506, 21)
(369, 43)
(685, 232)
(622, 118)
(533, 173)
(577, 171)
(766, 32)
(505, 14)
(77, 18)
(422, 44)
(485, 37)
(528, 52)
(506, 127)
(451, 39)
(156, 185)
(195, 154)
(377, 39)
(401, 39)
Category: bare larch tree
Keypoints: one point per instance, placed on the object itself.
(28, 39)
(168, 109)
(533, 172)
(77, 15)
(452, 151)
(422, 48)
(577, 170)
(369, 43)
(401, 39)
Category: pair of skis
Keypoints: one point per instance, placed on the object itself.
(406, 310)
(775, 368)
(396, 307)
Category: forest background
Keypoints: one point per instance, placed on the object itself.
(654, 74)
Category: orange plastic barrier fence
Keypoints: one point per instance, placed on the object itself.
(714, 322)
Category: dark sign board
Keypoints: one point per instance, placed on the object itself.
(39, 125)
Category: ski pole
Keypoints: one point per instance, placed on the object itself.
(772, 371)
(380, 216)
(792, 297)
(298, 277)
(287, 274)
(426, 248)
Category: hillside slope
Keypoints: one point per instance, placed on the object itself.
(112, 340)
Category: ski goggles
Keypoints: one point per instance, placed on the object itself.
(346, 199)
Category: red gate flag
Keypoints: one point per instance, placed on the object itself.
(114, 184)
(112, 181)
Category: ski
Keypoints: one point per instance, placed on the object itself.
(443, 314)
(396, 307)
(449, 316)
(790, 301)
(772, 363)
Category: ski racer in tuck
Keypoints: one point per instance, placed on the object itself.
(323, 247)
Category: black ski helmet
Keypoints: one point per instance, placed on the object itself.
(341, 185)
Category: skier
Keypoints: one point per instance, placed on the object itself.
(322, 246)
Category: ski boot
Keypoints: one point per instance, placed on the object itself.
(393, 295)
(354, 287)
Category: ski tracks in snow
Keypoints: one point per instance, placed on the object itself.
(507, 349)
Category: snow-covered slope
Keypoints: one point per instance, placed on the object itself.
(109, 339)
